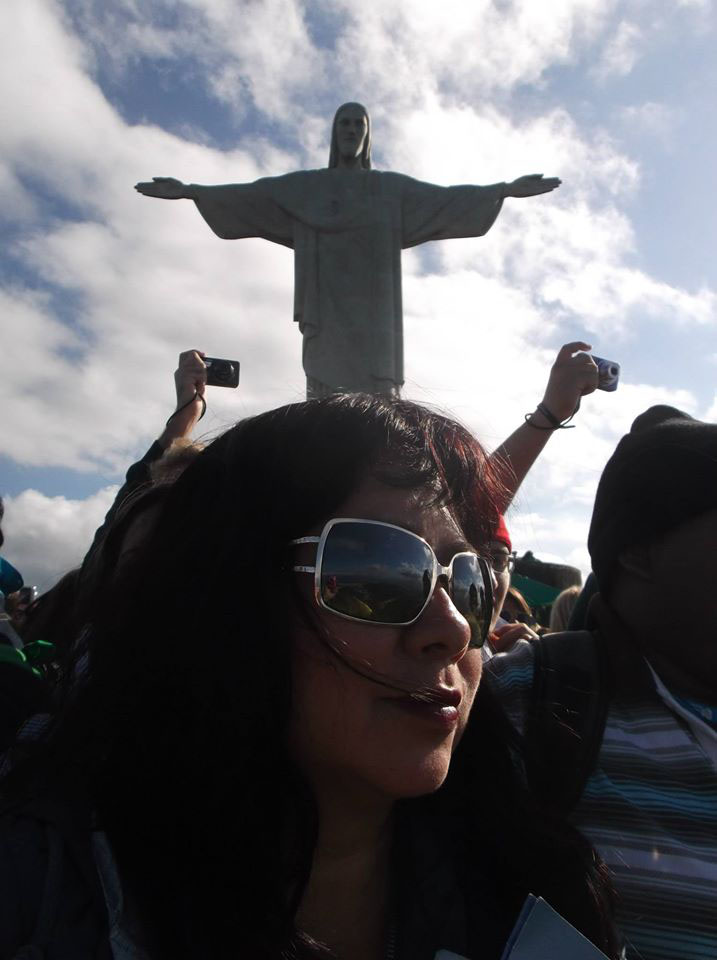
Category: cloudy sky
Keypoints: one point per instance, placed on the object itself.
(102, 288)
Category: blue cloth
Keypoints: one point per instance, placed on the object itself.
(10, 578)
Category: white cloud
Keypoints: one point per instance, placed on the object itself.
(47, 536)
(699, 5)
(557, 539)
(622, 50)
(397, 51)
(147, 279)
(652, 118)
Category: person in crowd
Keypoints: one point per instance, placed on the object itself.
(562, 608)
(620, 722)
(8, 634)
(579, 614)
(573, 375)
(10, 578)
(277, 750)
(516, 608)
(52, 624)
(190, 380)
(22, 691)
(53, 617)
(61, 614)
(505, 632)
(18, 603)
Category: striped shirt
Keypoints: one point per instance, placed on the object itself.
(649, 807)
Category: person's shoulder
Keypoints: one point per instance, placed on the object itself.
(515, 665)
(510, 676)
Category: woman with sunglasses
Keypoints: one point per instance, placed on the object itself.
(277, 751)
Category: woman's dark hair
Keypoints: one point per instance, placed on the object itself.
(53, 618)
(179, 735)
(62, 614)
(104, 560)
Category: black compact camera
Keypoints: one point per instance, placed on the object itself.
(221, 373)
(608, 374)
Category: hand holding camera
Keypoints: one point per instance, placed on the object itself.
(195, 372)
(190, 378)
(574, 375)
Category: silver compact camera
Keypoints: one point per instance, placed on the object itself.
(608, 373)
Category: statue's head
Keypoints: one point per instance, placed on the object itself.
(351, 135)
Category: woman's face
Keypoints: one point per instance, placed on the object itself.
(499, 550)
(350, 730)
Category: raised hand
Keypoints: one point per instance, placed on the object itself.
(507, 635)
(190, 377)
(572, 376)
(190, 380)
(166, 188)
(531, 185)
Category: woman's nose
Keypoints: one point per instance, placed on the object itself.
(441, 632)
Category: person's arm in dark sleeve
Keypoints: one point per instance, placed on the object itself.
(190, 380)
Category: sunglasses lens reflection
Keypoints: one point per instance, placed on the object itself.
(468, 593)
(375, 573)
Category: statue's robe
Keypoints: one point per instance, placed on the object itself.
(347, 229)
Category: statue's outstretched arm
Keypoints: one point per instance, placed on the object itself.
(166, 188)
(531, 185)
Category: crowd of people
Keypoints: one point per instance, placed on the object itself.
(291, 706)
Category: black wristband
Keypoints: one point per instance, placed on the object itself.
(184, 405)
(555, 424)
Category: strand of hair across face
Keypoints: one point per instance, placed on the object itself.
(423, 693)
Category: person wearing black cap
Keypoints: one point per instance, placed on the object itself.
(620, 722)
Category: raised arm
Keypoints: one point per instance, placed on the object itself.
(190, 380)
(572, 376)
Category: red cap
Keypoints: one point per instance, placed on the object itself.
(501, 532)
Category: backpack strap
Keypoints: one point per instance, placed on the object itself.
(566, 717)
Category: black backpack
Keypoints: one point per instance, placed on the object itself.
(566, 715)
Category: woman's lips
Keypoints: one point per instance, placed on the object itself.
(438, 707)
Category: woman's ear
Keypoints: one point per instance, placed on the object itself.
(636, 561)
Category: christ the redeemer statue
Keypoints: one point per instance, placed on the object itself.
(347, 225)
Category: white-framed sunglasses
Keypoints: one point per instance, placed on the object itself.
(377, 572)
